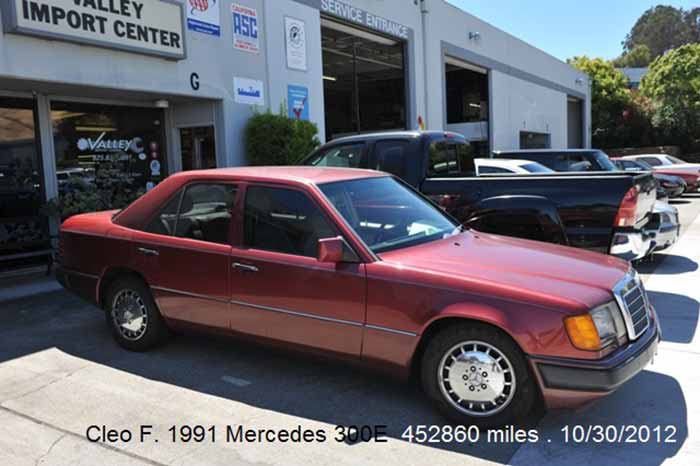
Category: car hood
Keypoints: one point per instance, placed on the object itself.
(557, 277)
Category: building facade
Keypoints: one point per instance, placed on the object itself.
(140, 89)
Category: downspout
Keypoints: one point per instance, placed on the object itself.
(424, 38)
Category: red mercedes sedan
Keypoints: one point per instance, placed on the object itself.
(356, 265)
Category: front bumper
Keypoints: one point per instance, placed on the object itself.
(602, 376)
(632, 245)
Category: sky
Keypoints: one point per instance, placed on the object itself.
(566, 28)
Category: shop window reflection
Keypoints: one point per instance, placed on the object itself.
(106, 156)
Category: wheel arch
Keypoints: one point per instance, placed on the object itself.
(450, 318)
(109, 276)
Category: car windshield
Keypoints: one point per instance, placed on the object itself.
(387, 215)
(537, 168)
(675, 160)
(604, 161)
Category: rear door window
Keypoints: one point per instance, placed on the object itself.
(451, 158)
(201, 211)
(579, 163)
(205, 213)
(390, 156)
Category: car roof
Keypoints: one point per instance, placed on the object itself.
(294, 174)
(395, 135)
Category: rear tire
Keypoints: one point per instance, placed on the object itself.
(133, 316)
(476, 375)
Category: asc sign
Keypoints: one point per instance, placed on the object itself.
(154, 27)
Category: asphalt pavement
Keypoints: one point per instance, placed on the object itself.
(62, 377)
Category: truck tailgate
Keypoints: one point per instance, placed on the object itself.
(646, 187)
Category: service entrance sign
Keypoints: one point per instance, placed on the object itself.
(153, 27)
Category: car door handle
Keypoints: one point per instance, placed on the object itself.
(147, 252)
(245, 267)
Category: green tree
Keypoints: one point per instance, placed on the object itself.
(692, 19)
(660, 28)
(609, 98)
(673, 87)
(638, 57)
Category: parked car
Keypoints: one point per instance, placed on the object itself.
(603, 212)
(689, 172)
(355, 264)
(663, 160)
(662, 231)
(521, 167)
(664, 227)
(673, 185)
(568, 160)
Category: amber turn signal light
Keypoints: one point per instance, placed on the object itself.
(583, 332)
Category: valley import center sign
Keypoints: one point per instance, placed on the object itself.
(152, 27)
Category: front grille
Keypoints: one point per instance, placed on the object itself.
(634, 303)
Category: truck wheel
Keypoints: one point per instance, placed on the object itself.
(132, 315)
(476, 375)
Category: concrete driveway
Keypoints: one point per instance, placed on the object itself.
(60, 373)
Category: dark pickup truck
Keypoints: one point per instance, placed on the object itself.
(604, 212)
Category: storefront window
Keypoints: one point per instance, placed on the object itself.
(106, 156)
(364, 80)
(23, 230)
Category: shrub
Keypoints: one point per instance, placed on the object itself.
(275, 139)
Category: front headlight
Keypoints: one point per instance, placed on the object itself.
(597, 329)
(608, 322)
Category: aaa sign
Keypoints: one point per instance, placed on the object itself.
(153, 27)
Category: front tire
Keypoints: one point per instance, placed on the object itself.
(476, 375)
(133, 316)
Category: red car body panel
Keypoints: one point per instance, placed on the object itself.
(374, 311)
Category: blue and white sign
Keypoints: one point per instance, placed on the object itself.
(246, 35)
(248, 91)
(298, 102)
(204, 16)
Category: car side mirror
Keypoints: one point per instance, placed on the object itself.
(335, 250)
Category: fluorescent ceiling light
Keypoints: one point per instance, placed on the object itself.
(330, 78)
(357, 32)
(95, 129)
(467, 66)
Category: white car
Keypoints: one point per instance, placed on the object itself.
(521, 167)
(663, 160)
